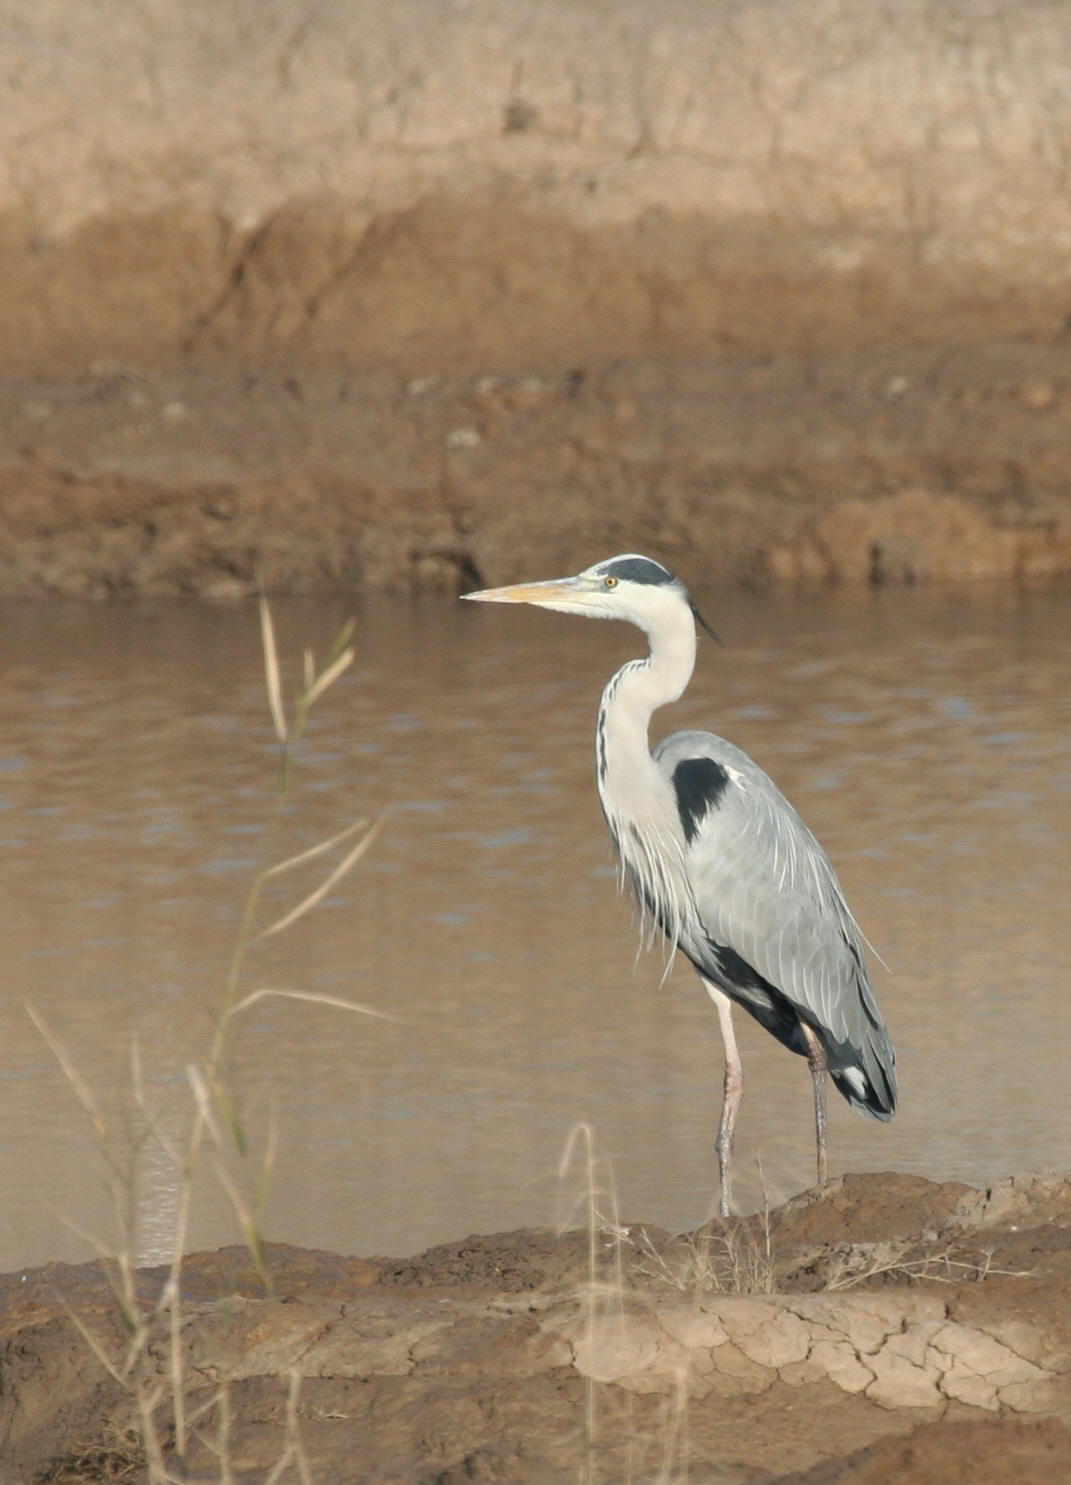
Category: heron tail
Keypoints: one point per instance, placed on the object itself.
(866, 1074)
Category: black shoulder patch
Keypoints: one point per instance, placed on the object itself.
(638, 570)
(699, 785)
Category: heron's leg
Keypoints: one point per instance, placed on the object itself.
(733, 1089)
(816, 1061)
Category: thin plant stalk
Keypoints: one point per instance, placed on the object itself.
(338, 660)
(214, 1119)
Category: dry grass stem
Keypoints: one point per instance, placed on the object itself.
(603, 1295)
(327, 678)
(152, 1366)
(148, 1402)
(673, 1466)
(319, 893)
(608, 1299)
(293, 1450)
(311, 997)
(100, 1248)
(858, 1263)
(220, 1445)
(247, 1220)
(78, 1084)
(272, 674)
(734, 1261)
(202, 1097)
(117, 1373)
(320, 849)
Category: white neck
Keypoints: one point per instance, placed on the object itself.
(638, 802)
(635, 693)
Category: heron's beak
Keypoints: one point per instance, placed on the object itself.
(547, 594)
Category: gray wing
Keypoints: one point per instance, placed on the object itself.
(769, 923)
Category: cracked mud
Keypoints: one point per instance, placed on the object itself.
(941, 1350)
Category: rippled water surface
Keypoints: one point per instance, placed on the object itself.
(924, 734)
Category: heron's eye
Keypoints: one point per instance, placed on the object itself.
(610, 582)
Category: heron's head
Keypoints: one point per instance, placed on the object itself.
(627, 587)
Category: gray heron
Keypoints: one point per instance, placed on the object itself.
(720, 860)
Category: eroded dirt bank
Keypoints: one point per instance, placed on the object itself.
(411, 293)
(890, 1330)
(885, 465)
(502, 179)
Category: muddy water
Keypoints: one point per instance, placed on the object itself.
(925, 734)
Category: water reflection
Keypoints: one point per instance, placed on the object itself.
(923, 733)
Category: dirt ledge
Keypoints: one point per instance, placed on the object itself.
(898, 465)
(893, 1326)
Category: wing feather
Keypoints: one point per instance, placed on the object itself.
(763, 888)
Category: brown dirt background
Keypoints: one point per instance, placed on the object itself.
(415, 294)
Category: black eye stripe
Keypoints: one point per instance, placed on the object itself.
(640, 570)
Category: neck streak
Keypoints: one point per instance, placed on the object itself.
(632, 696)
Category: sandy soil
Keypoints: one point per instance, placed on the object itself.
(888, 1330)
